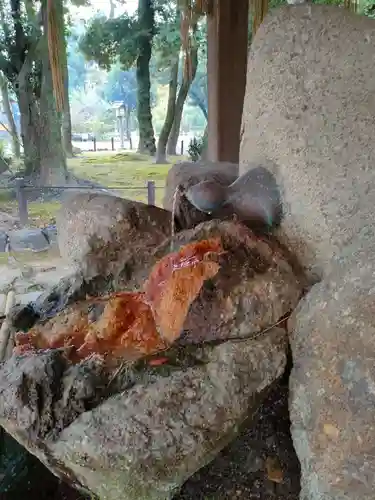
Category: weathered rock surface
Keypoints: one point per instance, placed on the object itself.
(28, 239)
(144, 433)
(144, 442)
(309, 108)
(253, 198)
(332, 385)
(147, 442)
(98, 233)
(50, 232)
(186, 214)
(260, 463)
(186, 174)
(3, 241)
(271, 262)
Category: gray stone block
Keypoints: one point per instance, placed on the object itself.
(50, 233)
(3, 241)
(28, 239)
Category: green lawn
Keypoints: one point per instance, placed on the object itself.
(127, 173)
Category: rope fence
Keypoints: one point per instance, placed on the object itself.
(21, 189)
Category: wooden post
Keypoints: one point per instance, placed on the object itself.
(94, 141)
(112, 143)
(227, 40)
(22, 201)
(6, 327)
(151, 192)
(182, 148)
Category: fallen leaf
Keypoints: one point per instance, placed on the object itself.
(274, 470)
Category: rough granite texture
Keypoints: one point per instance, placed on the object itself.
(143, 434)
(333, 386)
(186, 174)
(154, 432)
(99, 233)
(310, 108)
(146, 442)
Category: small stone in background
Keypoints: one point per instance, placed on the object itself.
(28, 297)
(28, 239)
(3, 241)
(50, 233)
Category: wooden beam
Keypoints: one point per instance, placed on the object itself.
(227, 39)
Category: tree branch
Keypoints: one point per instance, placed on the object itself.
(6, 68)
(197, 101)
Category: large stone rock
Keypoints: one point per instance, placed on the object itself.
(147, 442)
(253, 198)
(309, 108)
(148, 429)
(50, 232)
(3, 241)
(332, 385)
(260, 463)
(236, 238)
(186, 174)
(27, 239)
(98, 233)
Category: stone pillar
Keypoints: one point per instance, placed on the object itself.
(227, 39)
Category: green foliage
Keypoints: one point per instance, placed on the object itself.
(108, 40)
(121, 86)
(91, 113)
(196, 148)
(167, 40)
(369, 9)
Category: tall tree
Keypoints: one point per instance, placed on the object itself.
(51, 110)
(146, 31)
(127, 39)
(10, 118)
(198, 93)
(167, 48)
(66, 116)
(161, 151)
(187, 79)
(25, 63)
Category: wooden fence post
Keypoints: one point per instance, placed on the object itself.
(182, 148)
(113, 143)
(22, 202)
(151, 192)
(94, 141)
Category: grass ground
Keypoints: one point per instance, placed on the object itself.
(126, 173)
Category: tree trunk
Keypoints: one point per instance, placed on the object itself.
(67, 125)
(204, 155)
(112, 9)
(10, 118)
(199, 103)
(181, 98)
(30, 123)
(161, 156)
(146, 130)
(53, 161)
(127, 127)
